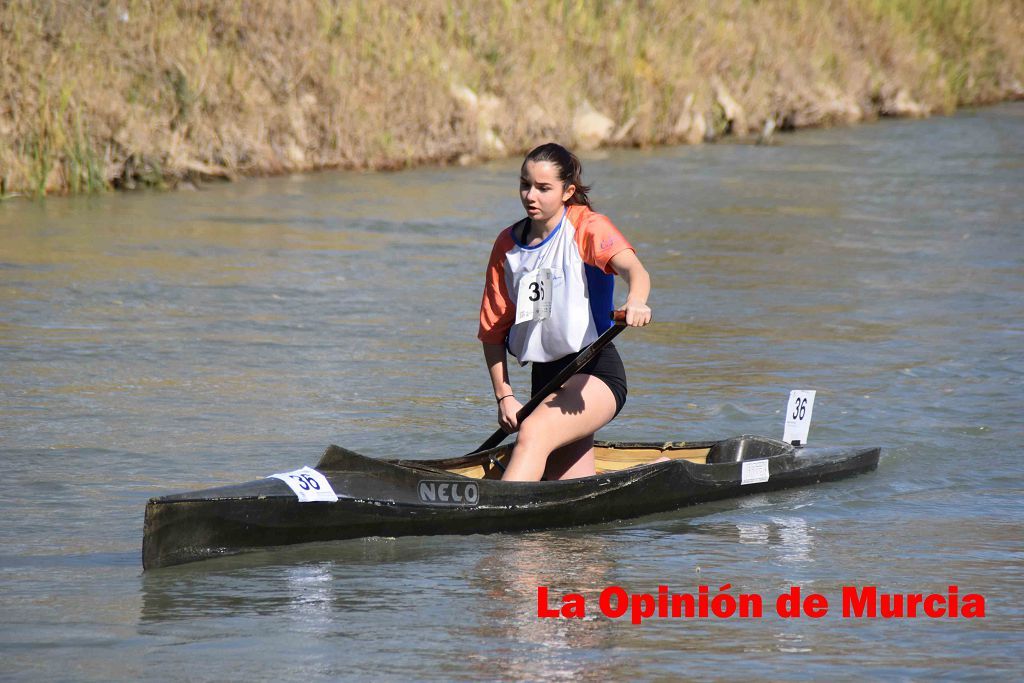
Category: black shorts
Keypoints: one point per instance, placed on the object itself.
(606, 366)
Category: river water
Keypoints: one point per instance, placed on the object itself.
(159, 342)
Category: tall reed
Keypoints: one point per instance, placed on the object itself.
(135, 92)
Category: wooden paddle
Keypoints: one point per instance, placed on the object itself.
(557, 381)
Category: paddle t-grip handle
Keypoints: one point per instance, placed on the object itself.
(619, 316)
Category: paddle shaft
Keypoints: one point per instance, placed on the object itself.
(586, 355)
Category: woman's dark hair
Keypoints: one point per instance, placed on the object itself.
(570, 170)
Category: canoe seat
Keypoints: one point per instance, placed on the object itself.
(742, 448)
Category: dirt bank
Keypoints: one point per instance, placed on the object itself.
(127, 93)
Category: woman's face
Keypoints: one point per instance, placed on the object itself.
(541, 190)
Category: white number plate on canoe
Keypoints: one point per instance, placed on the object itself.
(753, 472)
(309, 485)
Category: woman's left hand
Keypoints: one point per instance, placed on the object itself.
(637, 315)
(626, 264)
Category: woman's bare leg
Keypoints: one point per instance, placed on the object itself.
(583, 405)
(571, 461)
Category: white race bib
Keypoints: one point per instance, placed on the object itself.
(534, 300)
(309, 485)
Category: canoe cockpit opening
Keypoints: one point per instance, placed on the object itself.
(610, 457)
(616, 456)
(742, 448)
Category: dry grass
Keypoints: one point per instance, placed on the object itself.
(100, 94)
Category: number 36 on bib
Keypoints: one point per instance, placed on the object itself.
(534, 299)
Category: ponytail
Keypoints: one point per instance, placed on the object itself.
(570, 170)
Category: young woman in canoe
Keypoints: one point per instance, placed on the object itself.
(547, 296)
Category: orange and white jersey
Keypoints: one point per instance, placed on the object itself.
(554, 298)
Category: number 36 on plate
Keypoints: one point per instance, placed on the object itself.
(798, 416)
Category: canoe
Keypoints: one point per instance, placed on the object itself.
(464, 495)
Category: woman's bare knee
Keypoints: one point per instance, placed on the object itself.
(532, 436)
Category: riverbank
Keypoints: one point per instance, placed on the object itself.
(155, 94)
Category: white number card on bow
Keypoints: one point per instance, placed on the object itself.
(309, 485)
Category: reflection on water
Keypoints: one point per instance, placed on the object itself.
(152, 343)
(526, 647)
(792, 537)
(237, 585)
